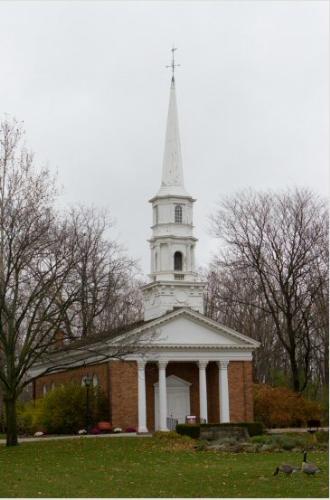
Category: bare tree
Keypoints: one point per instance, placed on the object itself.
(233, 299)
(43, 258)
(107, 296)
(34, 268)
(274, 255)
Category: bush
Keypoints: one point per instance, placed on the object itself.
(191, 430)
(282, 407)
(263, 439)
(168, 436)
(64, 408)
(62, 411)
(29, 417)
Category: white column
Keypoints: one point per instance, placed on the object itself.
(223, 391)
(162, 395)
(202, 390)
(142, 407)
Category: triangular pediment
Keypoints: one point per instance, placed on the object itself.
(185, 327)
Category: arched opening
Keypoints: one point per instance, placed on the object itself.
(178, 214)
(178, 261)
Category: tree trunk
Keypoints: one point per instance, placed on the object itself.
(11, 424)
(294, 373)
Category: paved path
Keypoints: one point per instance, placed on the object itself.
(134, 434)
(294, 429)
(57, 438)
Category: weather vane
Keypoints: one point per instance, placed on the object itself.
(173, 65)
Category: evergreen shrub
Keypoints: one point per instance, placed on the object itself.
(191, 430)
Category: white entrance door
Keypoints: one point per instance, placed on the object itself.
(178, 399)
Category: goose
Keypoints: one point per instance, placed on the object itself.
(286, 468)
(307, 468)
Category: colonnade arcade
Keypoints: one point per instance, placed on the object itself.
(224, 415)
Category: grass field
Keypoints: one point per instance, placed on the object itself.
(149, 467)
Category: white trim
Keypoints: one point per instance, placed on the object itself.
(174, 377)
(153, 352)
(200, 318)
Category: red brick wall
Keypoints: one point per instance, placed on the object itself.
(240, 391)
(124, 394)
(119, 380)
(212, 383)
(75, 375)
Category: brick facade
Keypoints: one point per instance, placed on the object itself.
(75, 375)
(240, 391)
(124, 394)
(119, 381)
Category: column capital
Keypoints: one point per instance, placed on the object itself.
(202, 364)
(223, 364)
(162, 364)
(141, 363)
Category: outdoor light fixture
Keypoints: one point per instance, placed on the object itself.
(88, 380)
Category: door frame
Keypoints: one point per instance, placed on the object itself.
(176, 384)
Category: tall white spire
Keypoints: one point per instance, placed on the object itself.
(175, 282)
(172, 176)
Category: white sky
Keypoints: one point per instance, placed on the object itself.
(89, 81)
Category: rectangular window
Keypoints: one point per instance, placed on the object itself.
(178, 214)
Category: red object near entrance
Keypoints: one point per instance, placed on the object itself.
(104, 426)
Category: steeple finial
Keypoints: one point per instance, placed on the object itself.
(173, 65)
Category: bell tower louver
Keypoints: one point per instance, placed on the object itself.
(174, 280)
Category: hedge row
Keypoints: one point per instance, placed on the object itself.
(193, 430)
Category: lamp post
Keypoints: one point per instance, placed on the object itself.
(88, 382)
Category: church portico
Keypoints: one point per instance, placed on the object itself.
(202, 382)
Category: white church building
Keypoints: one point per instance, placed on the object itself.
(191, 365)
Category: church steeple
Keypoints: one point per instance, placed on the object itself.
(174, 280)
(172, 175)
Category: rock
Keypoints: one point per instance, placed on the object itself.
(214, 433)
(267, 447)
(251, 448)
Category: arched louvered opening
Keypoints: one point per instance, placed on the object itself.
(178, 261)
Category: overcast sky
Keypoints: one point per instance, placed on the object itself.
(89, 81)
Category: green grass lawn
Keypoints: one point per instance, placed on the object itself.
(149, 467)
